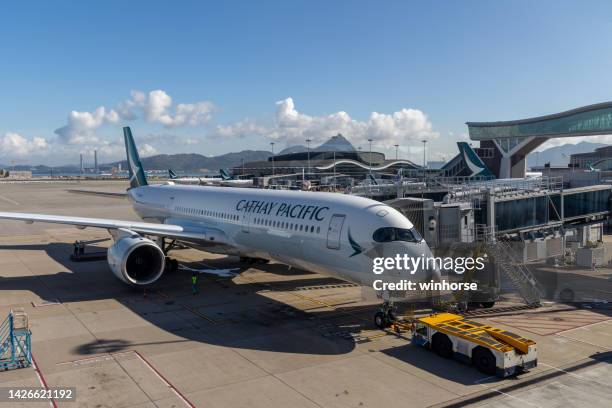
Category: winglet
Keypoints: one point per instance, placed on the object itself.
(137, 174)
(473, 162)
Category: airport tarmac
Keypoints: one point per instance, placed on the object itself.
(269, 337)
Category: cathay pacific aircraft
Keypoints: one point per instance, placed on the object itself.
(328, 233)
(183, 180)
(224, 180)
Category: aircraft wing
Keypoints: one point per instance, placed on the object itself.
(148, 228)
(99, 193)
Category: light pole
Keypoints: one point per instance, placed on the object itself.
(424, 149)
(370, 156)
(396, 147)
(272, 145)
(308, 144)
(242, 166)
(334, 169)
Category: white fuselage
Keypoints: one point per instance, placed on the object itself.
(327, 233)
(210, 181)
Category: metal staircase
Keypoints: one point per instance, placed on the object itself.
(518, 273)
(15, 341)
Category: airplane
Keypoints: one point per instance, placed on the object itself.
(224, 180)
(183, 180)
(228, 180)
(332, 234)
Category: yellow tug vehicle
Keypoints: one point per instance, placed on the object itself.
(493, 351)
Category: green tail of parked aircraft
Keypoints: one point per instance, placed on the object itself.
(474, 163)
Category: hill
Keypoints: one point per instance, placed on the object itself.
(198, 162)
(559, 155)
(336, 143)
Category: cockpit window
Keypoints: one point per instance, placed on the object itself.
(388, 234)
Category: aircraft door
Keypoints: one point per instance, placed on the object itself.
(334, 230)
(246, 218)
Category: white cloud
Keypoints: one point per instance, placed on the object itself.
(146, 150)
(295, 127)
(242, 129)
(156, 107)
(81, 125)
(13, 144)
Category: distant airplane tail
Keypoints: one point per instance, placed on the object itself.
(372, 179)
(225, 175)
(399, 175)
(473, 162)
(172, 174)
(136, 172)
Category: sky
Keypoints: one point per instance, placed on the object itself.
(217, 77)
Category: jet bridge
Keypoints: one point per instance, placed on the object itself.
(514, 221)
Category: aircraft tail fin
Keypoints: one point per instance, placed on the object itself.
(225, 175)
(136, 172)
(172, 174)
(473, 162)
(372, 179)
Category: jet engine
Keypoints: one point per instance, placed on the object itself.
(136, 260)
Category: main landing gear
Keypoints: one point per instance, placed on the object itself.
(385, 316)
(172, 264)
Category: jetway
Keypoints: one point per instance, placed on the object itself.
(515, 222)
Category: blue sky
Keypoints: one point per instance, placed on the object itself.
(248, 73)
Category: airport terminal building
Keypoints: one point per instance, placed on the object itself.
(600, 159)
(356, 164)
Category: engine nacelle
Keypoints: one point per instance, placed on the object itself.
(136, 260)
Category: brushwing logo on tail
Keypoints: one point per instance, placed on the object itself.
(225, 175)
(137, 176)
(472, 161)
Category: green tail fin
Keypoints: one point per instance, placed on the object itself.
(474, 163)
(137, 174)
(172, 174)
(225, 175)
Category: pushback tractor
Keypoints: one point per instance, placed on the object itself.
(493, 351)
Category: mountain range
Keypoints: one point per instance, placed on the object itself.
(194, 162)
(198, 162)
(560, 155)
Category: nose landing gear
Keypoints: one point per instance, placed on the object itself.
(385, 316)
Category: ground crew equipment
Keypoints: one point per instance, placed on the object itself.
(15, 341)
(492, 350)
